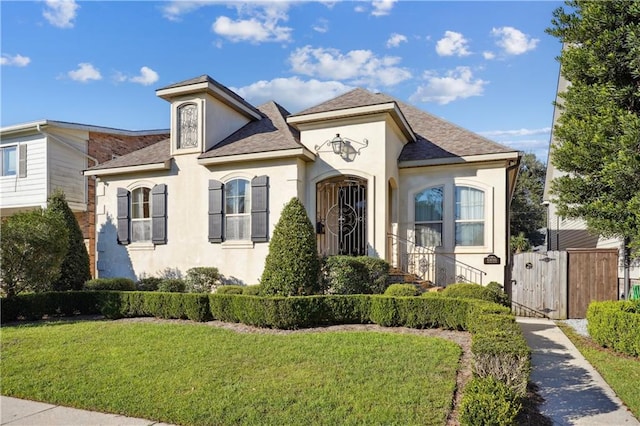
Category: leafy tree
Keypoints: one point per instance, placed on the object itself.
(32, 248)
(75, 270)
(292, 267)
(599, 129)
(528, 215)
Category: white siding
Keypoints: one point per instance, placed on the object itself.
(30, 191)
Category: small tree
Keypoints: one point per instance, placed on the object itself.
(292, 266)
(528, 215)
(32, 248)
(75, 270)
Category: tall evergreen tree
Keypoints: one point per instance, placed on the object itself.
(75, 270)
(528, 215)
(599, 129)
(292, 267)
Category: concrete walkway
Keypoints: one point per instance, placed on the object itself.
(16, 412)
(574, 393)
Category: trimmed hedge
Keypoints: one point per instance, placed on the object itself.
(114, 284)
(487, 401)
(230, 289)
(354, 275)
(500, 352)
(402, 290)
(476, 291)
(616, 325)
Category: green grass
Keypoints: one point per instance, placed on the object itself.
(192, 374)
(621, 372)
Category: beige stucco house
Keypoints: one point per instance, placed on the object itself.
(378, 177)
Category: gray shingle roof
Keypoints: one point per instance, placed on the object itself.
(272, 133)
(436, 138)
(159, 152)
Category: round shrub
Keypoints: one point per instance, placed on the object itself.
(344, 275)
(471, 291)
(115, 284)
(172, 285)
(292, 267)
(488, 401)
(202, 279)
(402, 290)
(230, 289)
(252, 290)
(148, 283)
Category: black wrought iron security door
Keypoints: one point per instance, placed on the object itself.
(341, 216)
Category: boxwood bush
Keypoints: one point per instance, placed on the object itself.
(406, 289)
(475, 291)
(115, 284)
(230, 289)
(487, 401)
(354, 275)
(616, 325)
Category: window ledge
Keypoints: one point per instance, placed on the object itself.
(471, 250)
(237, 244)
(142, 246)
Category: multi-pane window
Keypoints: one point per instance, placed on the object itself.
(188, 126)
(237, 209)
(141, 214)
(428, 217)
(469, 216)
(9, 160)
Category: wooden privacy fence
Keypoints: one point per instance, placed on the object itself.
(561, 284)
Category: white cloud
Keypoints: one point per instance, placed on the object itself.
(60, 13)
(84, 73)
(357, 66)
(250, 30)
(15, 60)
(451, 44)
(395, 39)
(173, 10)
(292, 93)
(456, 84)
(322, 26)
(513, 41)
(147, 76)
(382, 7)
(359, 9)
(516, 132)
(488, 55)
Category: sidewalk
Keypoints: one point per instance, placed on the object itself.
(574, 393)
(16, 412)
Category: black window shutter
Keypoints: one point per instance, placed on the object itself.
(260, 209)
(22, 161)
(159, 214)
(123, 216)
(216, 189)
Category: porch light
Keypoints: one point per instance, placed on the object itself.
(337, 144)
(344, 147)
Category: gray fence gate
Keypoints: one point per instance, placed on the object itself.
(539, 284)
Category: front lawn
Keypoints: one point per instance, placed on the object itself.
(194, 374)
(621, 372)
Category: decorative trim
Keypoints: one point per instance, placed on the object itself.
(165, 165)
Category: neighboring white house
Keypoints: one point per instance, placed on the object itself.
(42, 156)
(564, 233)
(378, 177)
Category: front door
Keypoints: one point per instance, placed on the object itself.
(341, 212)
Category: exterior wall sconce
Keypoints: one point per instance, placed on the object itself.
(344, 147)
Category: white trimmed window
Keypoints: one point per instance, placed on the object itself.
(9, 160)
(428, 217)
(141, 214)
(237, 209)
(469, 216)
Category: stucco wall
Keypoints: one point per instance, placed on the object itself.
(187, 221)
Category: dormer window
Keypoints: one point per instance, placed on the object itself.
(187, 126)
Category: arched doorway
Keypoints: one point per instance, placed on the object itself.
(341, 216)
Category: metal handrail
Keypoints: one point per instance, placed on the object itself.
(428, 264)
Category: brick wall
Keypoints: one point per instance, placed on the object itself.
(103, 146)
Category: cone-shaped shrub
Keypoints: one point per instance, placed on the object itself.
(74, 270)
(292, 266)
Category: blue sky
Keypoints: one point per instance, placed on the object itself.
(486, 66)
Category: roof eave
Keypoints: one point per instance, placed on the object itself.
(512, 155)
(214, 90)
(301, 153)
(390, 108)
(165, 165)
